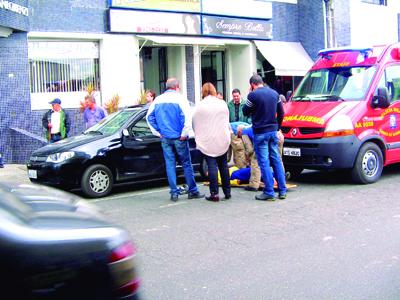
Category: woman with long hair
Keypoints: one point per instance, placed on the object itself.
(212, 135)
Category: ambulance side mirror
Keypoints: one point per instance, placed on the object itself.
(288, 95)
(381, 100)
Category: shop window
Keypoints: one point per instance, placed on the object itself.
(63, 67)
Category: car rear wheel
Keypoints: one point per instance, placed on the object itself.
(97, 181)
(369, 164)
(204, 170)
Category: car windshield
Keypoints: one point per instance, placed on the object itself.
(335, 84)
(112, 123)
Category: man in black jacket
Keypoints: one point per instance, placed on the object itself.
(56, 122)
(266, 110)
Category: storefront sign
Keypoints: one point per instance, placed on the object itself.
(241, 8)
(168, 5)
(154, 22)
(229, 27)
(11, 6)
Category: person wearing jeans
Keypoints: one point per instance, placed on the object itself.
(182, 149)
(169, 118)
(266, 110)
(267, 152)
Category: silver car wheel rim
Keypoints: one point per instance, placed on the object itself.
(370, 164)
(99, 181)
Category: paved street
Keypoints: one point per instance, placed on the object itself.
(330, 239)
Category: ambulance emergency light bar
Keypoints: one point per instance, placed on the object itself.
(325, 53)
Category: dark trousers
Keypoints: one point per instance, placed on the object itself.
(214, 164)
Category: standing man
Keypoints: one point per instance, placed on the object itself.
(92, 114)
(56, 122)
(169, 118)
(235, 107)
(266, 110)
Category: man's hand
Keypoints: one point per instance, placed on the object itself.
(49, 125)
(239, 130)
(183, 138)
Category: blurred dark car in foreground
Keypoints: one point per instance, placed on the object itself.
(119, 149)
(54, 245)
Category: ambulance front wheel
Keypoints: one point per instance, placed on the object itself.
(369, 164)
(292, 172)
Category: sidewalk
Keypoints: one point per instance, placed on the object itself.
(14, 173)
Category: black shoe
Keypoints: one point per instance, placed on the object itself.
(250, 188)
(282, 196)
(196, 195)
(174, 197)
(213, 198)
(265, 197)
(227, 197)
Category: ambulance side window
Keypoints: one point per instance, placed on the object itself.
(391, 80)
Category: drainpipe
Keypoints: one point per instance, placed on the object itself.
(328, 26)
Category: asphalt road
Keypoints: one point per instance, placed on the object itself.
(330, 239)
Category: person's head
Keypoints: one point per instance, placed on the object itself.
(282, 98)
(150, 95)
(236, 96)
(172, 84)
(56, 104)
(220, 96)
(255, 82)
(208, 89)
(90, 101)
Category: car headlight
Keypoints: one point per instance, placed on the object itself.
(339, 125)
(60, 157)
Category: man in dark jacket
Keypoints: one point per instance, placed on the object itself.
(56, 122)
(266, 110)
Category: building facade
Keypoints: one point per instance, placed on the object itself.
(53, 48)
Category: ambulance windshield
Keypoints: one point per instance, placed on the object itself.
(335, 84)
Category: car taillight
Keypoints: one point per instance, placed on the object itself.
(122, 268)
(122, 252)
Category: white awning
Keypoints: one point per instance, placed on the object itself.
(185, 40)
(288, 58)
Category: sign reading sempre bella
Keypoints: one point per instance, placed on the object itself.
(11, 6)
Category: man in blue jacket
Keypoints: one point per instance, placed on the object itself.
(169, 117)
(266, 110)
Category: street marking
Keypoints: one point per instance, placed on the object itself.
(173, 204)
(130, 195)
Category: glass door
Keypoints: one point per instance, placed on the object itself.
(213, 69)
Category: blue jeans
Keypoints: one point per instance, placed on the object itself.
(170, 147)
(267, 152)
(214, 164)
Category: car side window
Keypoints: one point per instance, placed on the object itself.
(141, 129)
(391, 80)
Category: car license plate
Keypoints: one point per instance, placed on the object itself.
(291, 151)
(32, 174)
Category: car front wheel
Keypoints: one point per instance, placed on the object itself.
(97, 181)
(369, 164)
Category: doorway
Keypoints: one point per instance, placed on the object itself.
(213, 69)
(153, 69)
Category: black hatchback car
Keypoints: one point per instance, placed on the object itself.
(119, 149)
(55, 245)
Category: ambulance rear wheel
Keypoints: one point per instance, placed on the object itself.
(369, 164)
